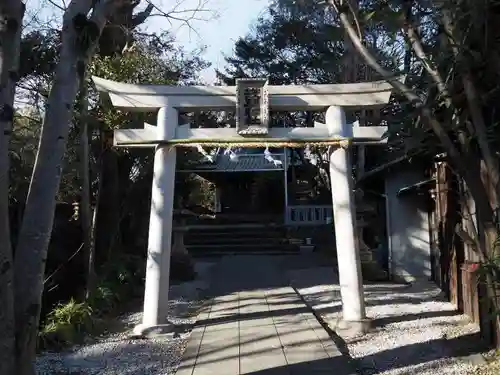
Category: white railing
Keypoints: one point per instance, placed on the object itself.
(309, 215)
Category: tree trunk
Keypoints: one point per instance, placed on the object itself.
(36, 228)
(92, 277)
(352, 71)
(109, 206)
(11, 16)
(85, 204)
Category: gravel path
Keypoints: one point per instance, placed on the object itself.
(416, 330)
(492, 367)
(118, 354)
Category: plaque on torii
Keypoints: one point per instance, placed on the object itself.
(252, 107)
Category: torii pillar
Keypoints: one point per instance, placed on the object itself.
(344, 216)
(159, 250)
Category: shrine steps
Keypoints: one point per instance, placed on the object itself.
(238, 239)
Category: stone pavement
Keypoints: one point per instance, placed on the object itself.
(258, 325)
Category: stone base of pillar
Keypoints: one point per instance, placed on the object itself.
(349, 328)
(161, 330)
(144, 331)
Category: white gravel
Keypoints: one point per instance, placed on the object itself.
(416, 331)
(118, 354)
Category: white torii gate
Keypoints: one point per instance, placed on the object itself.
(169, 100)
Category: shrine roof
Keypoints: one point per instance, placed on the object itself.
(244, 163)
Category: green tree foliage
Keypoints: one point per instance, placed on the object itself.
(300, 42)
(150, 59)
(293, 43)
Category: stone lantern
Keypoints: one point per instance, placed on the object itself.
(182, 265)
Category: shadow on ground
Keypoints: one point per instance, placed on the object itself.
(414, 328)
(259, 272)
(426, 359)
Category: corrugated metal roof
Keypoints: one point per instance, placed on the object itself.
(245, 163)
(416, 187)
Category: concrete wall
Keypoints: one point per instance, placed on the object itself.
(408, 228)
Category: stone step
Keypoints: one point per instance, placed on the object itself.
(261, 231)
(214, 253)
(234, 224)
(237, 239)
(249, 248)
(237, 228)
(232, 239)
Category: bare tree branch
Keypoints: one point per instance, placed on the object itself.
(141, 17)
(425, 112)
(428, 65)
(178, 15)
(57, 5)
(475, 110)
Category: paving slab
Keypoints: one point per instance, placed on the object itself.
(258, 325)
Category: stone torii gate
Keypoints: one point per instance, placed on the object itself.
(251, 98)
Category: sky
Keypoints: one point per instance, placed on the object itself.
(235, 18)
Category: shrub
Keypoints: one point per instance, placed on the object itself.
(67, 323)
(122, 279)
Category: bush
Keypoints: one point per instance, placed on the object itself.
(66, 324)
(103, 298)
(122, 280)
